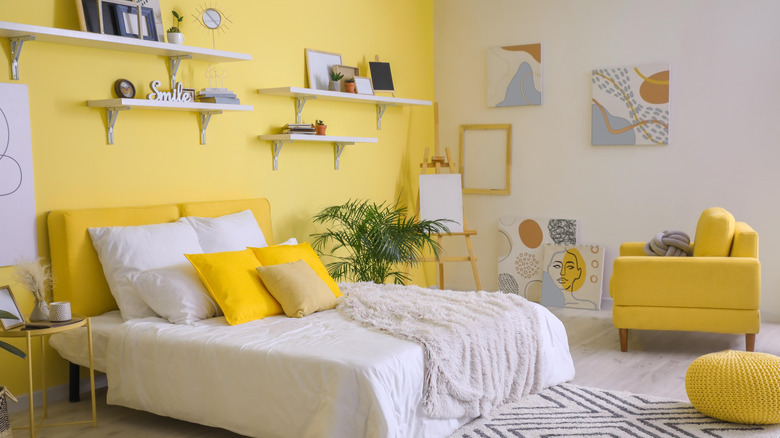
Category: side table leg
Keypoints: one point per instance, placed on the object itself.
(43, 378)
(30, 377)
(92, 373)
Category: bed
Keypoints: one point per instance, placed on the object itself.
(318, 376)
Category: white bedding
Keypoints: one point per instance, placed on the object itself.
(319, 376)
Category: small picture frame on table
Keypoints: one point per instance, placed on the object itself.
(363, 85)
(8, 304)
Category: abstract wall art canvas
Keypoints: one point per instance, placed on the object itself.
(572, 276)
(520, 250)
(514, 75)
(18, 238)
(630, 105)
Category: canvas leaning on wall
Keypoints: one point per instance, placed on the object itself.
(520, 246)
(572, 276)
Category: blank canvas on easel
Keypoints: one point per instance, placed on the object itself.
(441, 198)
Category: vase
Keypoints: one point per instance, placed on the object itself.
(320, 129)
(333, 86)
(175, 38)
(40, 311)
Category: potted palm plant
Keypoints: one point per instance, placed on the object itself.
(374, 242)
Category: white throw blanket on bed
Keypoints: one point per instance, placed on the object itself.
(480, 347)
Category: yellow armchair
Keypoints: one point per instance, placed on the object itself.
(718, 289)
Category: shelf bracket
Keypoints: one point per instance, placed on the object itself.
(111, 115)
(174, 62)
(205, 118)
(339, 148)
(380, 111)
(300, 101)
(16, 52)
(277, 150)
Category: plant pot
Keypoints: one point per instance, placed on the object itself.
(175, 37)
(349, 87)
(334, 86)
(320, 129)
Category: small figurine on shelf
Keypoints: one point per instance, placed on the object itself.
(349, 85)
(320, 127)
(335, 77)
(174, 34)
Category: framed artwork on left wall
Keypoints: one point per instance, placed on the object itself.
(8, 304)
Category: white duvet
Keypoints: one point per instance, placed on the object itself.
(318, 376)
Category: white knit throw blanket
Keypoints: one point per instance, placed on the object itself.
(480, 347)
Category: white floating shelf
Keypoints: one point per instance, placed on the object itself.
(206, 110)
(339, 143)
(301, 95)
(19, 33)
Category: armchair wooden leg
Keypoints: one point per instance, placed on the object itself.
(623, 339)
(750, 341)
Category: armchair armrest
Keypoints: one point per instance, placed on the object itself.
(700, 282)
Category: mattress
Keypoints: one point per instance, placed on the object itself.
(319, 376)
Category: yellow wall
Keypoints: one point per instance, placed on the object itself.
(157, 157)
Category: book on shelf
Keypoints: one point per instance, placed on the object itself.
(214, 91)
(218, 99)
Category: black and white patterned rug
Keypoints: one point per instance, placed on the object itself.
(576, 411)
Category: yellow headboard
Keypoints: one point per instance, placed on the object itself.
(78, 274)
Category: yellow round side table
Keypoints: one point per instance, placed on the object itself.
(41, 330)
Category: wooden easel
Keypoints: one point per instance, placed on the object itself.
(437, 161)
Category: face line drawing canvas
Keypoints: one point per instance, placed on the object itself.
(520, 248)
(630, 105)
(18, 232)
(514, 75)
(572, 276)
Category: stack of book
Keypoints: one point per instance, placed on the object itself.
(298, 128)
(218, 95)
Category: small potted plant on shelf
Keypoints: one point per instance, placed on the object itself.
(335, 77)
(349, 85)
(174, 34)
(320, 127)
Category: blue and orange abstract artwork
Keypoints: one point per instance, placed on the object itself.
(630, 105)
(514, 75)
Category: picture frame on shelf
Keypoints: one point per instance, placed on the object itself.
(363, 85)
(191, 92)
(381, 76)
(8, 304)
(127, 22)
(319, 64)
(347, 73)
(106, 21)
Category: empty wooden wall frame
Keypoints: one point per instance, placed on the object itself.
(486, 158)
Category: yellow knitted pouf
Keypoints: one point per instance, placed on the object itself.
(736, 386)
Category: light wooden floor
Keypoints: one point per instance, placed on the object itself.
(654, 364)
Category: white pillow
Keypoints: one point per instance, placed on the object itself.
(175, 293)
(290, 241)
(125, 250)
(232, 232)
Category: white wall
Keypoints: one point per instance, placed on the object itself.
(723, 151)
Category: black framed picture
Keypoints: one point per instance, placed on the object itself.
(90, 20)
(127, 22)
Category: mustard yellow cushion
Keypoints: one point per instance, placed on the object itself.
(714, 233)
(232, 281)
(736, 386)
(297, 288)
(274, 255)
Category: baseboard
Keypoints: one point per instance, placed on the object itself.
(56, 394)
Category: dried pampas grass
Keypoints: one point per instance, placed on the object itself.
(35, 276)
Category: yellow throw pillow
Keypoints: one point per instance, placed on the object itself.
(297, 288)
(232, 280)
(278, 254)
(714, 233)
